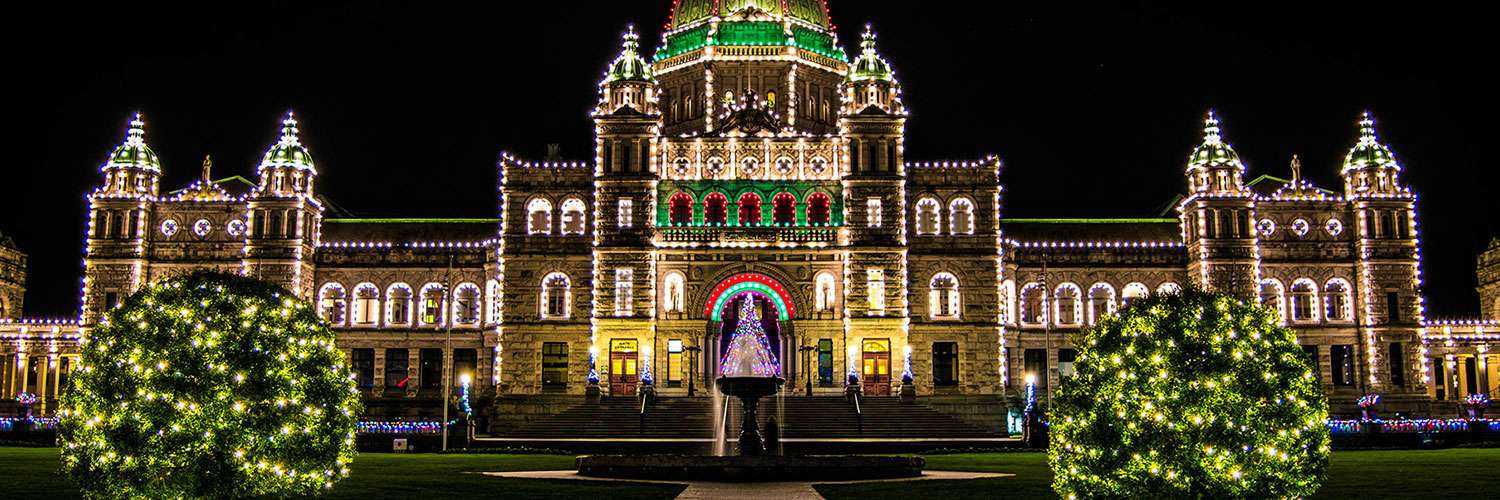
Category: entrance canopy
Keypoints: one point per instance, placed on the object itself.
(750, 282)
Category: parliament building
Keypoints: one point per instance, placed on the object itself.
(751, 158)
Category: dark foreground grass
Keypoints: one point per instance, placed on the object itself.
(32, 473)
(1451, 473)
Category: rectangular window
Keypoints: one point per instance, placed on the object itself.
(396, 378)
(1393, 307)
(1343, 365)
(1440, 378)
(624, 289)
(1311, 352)
(674, 363)
(627, 213)
(364, 367)
(875, 288)
(825, 362)
(872, 212)
(111, 300)
(1036, 366)
(945, 364)
(465, 362)
(555, 366)
(1065, 362)
(432, 368)
(1397, 360)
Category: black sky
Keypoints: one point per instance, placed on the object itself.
(406, 105)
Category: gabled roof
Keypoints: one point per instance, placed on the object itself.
(1270, 184)
(234, 185)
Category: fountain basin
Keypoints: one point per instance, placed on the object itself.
(749, 469)
(749, 387)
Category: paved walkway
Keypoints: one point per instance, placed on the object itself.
(750, 491)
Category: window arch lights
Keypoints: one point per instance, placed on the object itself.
(819, 209)
(1168, 288)
(1273, 295)
(680, 209)
(466, 304)
(1304, 301)
(1101, 302)
(961, 216)
(538, 216)
(1336, 300)
(574, 217)
(1133, 292)
(749, 209)
(784, 209)
(398, 304)
(366, 305)
(944, 299)
(928, 218)
(492, 301)
(556, 299)
(333, 303)
(716, 209)
(1069, 305)
(430, 305)
(1033, 299)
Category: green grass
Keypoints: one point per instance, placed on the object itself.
(32, 473)
(1353, 474)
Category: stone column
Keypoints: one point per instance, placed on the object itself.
(413, 371)
(41, 385)
(378, 388)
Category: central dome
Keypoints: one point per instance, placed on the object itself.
(687, 12)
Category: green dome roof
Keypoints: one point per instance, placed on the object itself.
(630, 66)
(1214, 152)
(1369, 152)
(134, 153)
(289, 151)
(869, 65)
(687, 12)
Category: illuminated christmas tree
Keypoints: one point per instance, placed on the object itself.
(749, 350)
(1189, 396)
(210, 386)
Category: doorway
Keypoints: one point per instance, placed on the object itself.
(624, 368)
(877, 367)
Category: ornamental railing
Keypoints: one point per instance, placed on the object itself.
(747, 235)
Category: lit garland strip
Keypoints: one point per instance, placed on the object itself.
(726, 290)
(1095, 244)
(369, 427)
(1422, 426)
(9, 424)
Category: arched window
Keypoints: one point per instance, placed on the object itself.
(823, 292)
(961, 216)
(431, 311)
(927, 216)
(332, 303)
(539, 216)
(715, 209)
(557, 296)
(750, 209)
(466, 304)
(1336, 297)
(1134, 291)
(818, 209)
(1169, 288)
(1304, 300)
(943, 298)
(680, 209)
(1272, 295)
(784, 212)
(1032, 299)
(492, 297)
(366, 304)
(672, 293)
(1069, 304)
(1007, 301)
(574, 221)
(398, 304)
(1101, 302)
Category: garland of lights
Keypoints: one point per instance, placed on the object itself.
(210, 385)
(1190, 395)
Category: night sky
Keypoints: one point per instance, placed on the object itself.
(406, 107)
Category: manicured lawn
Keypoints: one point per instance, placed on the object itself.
(1353, 474)
(32, 473)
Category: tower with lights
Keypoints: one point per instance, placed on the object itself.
(285, 214)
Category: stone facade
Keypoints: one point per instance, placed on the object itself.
(1489, 280)
(12, 279)
(752, 159)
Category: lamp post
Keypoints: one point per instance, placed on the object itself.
(807, 366)
(692, 367)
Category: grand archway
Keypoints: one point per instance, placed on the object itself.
(776, 310)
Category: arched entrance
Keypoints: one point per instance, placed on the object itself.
(775, 308)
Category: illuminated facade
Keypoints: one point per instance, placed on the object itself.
(751, 158)
(12, 279)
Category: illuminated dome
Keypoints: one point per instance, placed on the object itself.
(134, 153)
(629, 66)
(1369, 152)
(1214, 152)
(687, 12)
(869, 65)
(289, 151)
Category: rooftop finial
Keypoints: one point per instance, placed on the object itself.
(208, 167)
(137, 133)
(868, 39)
(1296, 169)
(289, 129)
(1367, 127)
(1211, 128)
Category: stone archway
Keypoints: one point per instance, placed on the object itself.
(779, 309)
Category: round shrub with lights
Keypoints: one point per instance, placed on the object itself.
(1189, 395)
(209, 385)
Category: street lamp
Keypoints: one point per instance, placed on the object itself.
(807, 366)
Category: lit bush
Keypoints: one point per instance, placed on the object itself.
(1192, 395)
(209, 385)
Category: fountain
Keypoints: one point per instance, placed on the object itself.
(749, 371)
